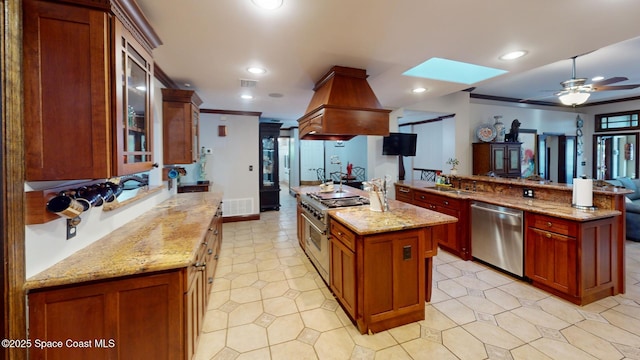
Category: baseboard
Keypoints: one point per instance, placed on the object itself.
(228, 219)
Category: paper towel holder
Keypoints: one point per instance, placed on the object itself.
(582, 207)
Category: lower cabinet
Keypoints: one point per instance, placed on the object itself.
(381, 279)
(573, 260)
(148, 316)
(134, 318)
(455, 237)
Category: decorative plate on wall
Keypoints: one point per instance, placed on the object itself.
(486, 132)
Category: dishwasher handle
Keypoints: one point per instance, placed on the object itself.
(517, 214)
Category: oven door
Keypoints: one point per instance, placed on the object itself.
(317, 247)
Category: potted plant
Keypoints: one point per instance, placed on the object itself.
(454, 163)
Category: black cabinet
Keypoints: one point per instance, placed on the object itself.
(269, 180)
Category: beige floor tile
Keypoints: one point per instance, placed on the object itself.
(456, 311)
(293, 350)
(472, 282)
(296, 271)
(493, 335)
(591, 344)
(247, 337)
(285, 328)
(260, 354)
(425, 349)
(245, 280)
(518, 326)
(374, 342)
(449, 271)
(321, 319)
(215, 320)
(303, 284)
(275, 289)
(245, 295)
(452, 288)
(271, 275)
(334, 344)
(623, 321)
(611, 333)
(435, 319)
(503, 299)
(405, 333)
(540, 318)
(392, 353)
(210, 344)
(493, 277)
(523, 291)
(245, 313)
(560, 350)
(528, 352)
(279, 306)
(561, 309)
(463, 344)
(311, 299)
(480, 304)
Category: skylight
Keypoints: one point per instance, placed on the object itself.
(453, 71)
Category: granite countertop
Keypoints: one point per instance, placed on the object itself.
(364, 221)
(163, 238)
(401, 216)
(545, 207)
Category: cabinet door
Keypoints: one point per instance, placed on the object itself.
(513, 160)
(551, 259)
(135, 318)
(66, 92)
(343, 275)
(450, 237)
(133, 110)
(498, 159)
(177, 128)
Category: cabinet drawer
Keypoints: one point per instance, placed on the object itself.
(404, 194)
(346, 236)
(444, 201)
(552, 224)
(423, 199)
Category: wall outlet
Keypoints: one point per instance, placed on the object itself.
(528, 193)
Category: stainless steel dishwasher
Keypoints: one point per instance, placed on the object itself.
(497, 236)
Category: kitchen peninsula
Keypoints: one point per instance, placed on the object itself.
(572, 253)
(379, 264)
(143, 288)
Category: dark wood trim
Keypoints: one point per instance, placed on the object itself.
(230, 112)
(164, 79)
(134, 20)
(547, 103)
(228, 219)
(439, 118)
(13, 228)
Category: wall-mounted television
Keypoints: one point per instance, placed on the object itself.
(399, 144)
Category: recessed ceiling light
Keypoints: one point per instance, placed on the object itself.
(256, 70)
(246, 97)
(268, 4)
(597, 78)
(419, 90)
(513, 55)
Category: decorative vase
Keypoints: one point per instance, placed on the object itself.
(500, 130)
(454, 171)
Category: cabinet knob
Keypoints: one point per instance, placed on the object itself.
(215, 232)
(549, 224)
(205, 243)
(422, 197)
(200, 266)
(216, 256)
(446, 202)
(548, 235)
(211, 229)
(210, 251)
(210, 280)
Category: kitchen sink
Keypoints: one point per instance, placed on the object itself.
(455, 191)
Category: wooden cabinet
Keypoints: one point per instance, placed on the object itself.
(574, 260)
(381, 279)
(300, 224)
(66, 92)
(404, 194)
(455, 237)
(132, 318)
(501, 158)
(180, 124)
(87, 93)
(269, 179)
(191, 187)
(157, 315)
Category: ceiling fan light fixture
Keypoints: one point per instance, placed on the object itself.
(574, 98)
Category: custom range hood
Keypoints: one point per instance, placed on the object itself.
(342, 107)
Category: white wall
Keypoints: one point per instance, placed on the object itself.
(46, 244)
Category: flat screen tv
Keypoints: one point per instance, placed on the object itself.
(399, 144)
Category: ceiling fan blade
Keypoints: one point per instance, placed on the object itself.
(608, 81)
(615, 87)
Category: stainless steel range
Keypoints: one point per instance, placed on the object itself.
(316, 223)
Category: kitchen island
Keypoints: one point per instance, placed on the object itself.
(380, 262)
(139, 292)
(572, 253)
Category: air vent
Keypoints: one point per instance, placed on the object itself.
(248, 83)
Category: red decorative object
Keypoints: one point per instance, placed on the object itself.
(349, 169)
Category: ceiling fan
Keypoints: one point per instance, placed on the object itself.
(576, 92)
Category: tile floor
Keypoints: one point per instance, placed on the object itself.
(268, 302)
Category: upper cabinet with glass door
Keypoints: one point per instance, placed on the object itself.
(134, 87)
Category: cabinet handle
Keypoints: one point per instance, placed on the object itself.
(210, 251)
(549, 224)
(200, 266)
(210, 229)
(210, 280)
(404, 190)
(205, 243)
(446, 202)
(216, 256)
(548, 235)
(340, 233)
(422, 197)
(215, 232)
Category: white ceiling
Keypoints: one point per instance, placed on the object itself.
(210, 43)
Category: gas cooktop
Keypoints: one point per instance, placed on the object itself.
(339, 199)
